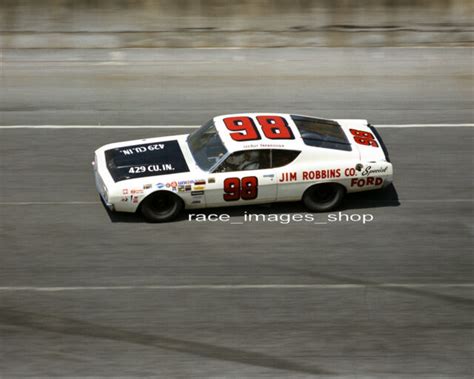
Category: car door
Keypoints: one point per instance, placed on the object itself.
(288, 173)
(244, 177)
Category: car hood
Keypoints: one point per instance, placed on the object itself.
(147, 157)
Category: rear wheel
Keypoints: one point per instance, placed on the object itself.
(161, 207)
(323, 197)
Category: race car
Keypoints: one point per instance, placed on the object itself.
(243, 159)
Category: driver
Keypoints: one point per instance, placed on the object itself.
(235, 161)
(250, 161)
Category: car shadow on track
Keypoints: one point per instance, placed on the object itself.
(388, 197)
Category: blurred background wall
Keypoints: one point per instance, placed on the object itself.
(218, 23)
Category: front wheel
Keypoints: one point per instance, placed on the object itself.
(323, 197)
(161, 206)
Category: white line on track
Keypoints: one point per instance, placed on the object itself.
(424, 125)
(436, 200)
(453, 125)
(99, 126)
(49, 202)
(236, 287)
(98, 202)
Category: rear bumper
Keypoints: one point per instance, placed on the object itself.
(380, 140)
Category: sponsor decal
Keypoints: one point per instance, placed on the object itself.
(197, 193)
(287, 177)
(146, 186)
(350, 172)
(187, 187)
(173, 186)
(211, 180)
(191, 181)
(369, 171)
(196, 202)
(124, 198)
(125, 191)
(199, 188)
(136, 191)
(322, 174)
(180, 188)
(186, 181)
(365, 182)
(135, 199)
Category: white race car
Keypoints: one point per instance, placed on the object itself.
(237, 159)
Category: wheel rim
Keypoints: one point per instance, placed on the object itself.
(163, 204)
(324, 194)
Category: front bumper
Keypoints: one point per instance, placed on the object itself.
(102, 189)
(109, 206)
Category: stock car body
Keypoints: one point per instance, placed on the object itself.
(243, 159)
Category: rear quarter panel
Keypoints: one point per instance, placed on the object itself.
(330, 166)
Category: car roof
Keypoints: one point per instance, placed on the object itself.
(264, 142)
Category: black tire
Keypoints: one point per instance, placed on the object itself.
(323, 197)
(161, 206)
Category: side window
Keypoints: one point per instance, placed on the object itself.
(281, 158)
(246, 160)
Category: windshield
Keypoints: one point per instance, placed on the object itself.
(206, 146)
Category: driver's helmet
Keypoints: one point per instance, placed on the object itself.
(251, 156)
(251, 161)
(236, 159)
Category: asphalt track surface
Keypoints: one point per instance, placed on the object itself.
(85, 293)
(189, 86)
